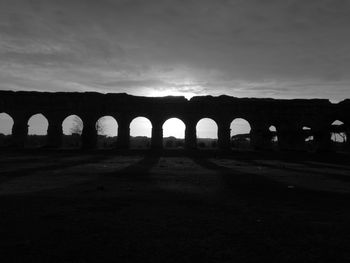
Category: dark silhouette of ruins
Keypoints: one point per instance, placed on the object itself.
(288, 116)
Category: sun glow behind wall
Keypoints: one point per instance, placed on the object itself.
(168, 92)
(141, 126)
(207, 128)
(174, 127)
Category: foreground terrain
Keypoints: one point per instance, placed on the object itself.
(58, 206)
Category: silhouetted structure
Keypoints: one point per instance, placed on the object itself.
(288, 116)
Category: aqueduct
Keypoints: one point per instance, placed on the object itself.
(288, 116)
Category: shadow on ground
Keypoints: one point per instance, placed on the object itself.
(250, 219)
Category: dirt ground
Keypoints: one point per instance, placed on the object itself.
(61, 206)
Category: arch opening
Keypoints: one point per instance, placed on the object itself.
(173, 133)
(107, 132)
(37, 130)
(6, 123)
(273, 133)
(207, 133)
(72, 127)
(308, 138)
(307, 134)
(273, 137)
(240, 134)
(338, 135)
(140, 133)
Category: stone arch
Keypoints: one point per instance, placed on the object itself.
(307, 133)
(37, 130)
(107, 131)
(6, 124)
(273, 136)
(173, 133)
(338, 133)
(140, 132)
(37, 124)
(240, 133)
(72, 127)
(308, 138)
(207, 133)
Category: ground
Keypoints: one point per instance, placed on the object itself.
(70, 206)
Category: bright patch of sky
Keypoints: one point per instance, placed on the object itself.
(207, 128)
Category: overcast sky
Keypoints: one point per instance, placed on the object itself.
(243, 48)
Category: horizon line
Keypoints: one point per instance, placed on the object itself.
(173, 96)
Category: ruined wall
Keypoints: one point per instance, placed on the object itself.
(288, 116)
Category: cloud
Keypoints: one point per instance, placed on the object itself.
(202, 47)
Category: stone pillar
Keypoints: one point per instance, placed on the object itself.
(19, 131)
(322, 139)
(89, 135)
(190, 135)
(224, 135)
(260, 137)
(54, 133)
(290, 138)
(157, 136)
(123, 139)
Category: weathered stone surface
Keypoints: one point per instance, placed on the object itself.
(288, 116)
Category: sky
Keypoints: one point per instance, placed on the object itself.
(244, 48)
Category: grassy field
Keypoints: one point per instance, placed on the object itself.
(103, 206)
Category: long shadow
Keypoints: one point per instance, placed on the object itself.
(325, 165)
(294, 158)
(298, 157)
(61, 165)
(260, 189)
(235, 179)
(245, 184)
(340, 177)
(28, 159)
(137, 171)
